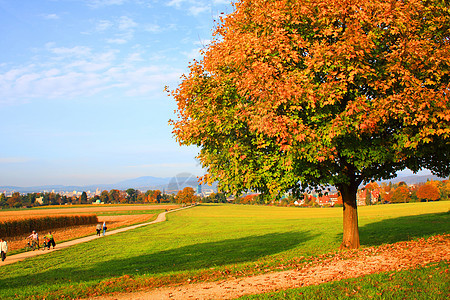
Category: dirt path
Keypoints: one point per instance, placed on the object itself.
(10, 259)
(351, 264)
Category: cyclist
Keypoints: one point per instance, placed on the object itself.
(34, 237)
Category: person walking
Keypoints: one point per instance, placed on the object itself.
(3, 248)
(98, 228)
(50, 240)
(104, 228)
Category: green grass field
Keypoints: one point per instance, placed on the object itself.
(211, 241)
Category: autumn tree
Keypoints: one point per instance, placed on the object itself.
(187, 195)
(153, 196)
(445, 188)
(156, 196)
(83, 198)
(132, 195)
(428, 192)
(3, 200)
(104, 196)
(401, 194)
(114, 196)
(141, 198)
(14, 200)
(296, 95)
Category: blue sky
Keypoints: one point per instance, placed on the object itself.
(82, 96)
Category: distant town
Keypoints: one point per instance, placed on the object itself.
(400, 190)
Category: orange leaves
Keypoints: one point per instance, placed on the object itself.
(428, 191)
(323, 82)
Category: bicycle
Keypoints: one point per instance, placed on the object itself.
(32, 245)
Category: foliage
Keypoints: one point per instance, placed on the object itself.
(428, 192)
(187, 195)
(132, 195)
(153, 196)
(83, 198)
(401, 194)
(114, 196)
(3, 200)
(300, 94)
(104, 196)
(331, 93)
(215, 198)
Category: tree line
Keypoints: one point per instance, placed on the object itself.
(372, 192)
(114, 196)
(403, 193)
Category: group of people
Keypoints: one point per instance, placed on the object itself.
(48, 240)
(101, 227)
(33, 242)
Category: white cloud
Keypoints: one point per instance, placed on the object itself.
(103, 25)
(125, 29)
(103, 3)
(176, 3)
(51, 17)
(82, 72)
(65, 52)
(117, 41)
(135, 57)
(194, 7)
(226, 2)
(126, 23)
(153, 28)
(198, 9)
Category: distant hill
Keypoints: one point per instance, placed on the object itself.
(413, 179)
(168, 184)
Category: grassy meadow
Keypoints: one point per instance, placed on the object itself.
(211, 242)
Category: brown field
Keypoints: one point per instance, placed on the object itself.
(64, 234)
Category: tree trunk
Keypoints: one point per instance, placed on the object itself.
(351, 233)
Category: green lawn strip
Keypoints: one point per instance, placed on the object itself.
(430, 282)
(130, 212)
(208, 242)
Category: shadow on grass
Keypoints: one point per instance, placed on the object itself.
(188, 258)
(404, 229)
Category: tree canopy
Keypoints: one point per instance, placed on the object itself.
(295, 95)
(427, 192)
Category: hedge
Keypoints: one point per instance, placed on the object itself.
(14, 228)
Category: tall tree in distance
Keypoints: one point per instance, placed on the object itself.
(132, 195)
(83, 198)
(187, 195)
(428, 192)
(297, 95)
